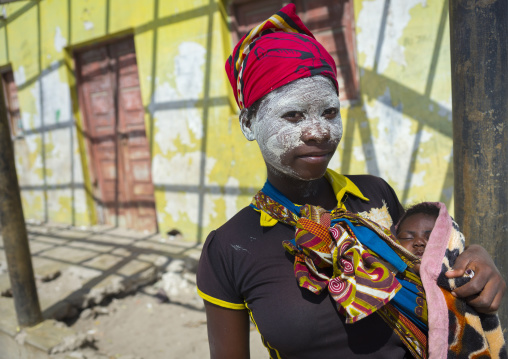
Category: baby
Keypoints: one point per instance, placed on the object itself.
(414, 229)
(466, 330)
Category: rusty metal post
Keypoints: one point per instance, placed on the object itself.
(13, 232)
(479, 46)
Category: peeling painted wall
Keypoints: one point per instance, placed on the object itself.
(402, 129)
(203, 170)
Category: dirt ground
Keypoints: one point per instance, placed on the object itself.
(159, 321)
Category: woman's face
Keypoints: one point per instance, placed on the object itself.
(298, 128)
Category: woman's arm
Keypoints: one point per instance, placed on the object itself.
(228, 332)
(486, 289)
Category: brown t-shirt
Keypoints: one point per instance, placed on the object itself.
(244, 265)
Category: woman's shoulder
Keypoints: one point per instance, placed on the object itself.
(245, 219)
(367, 181)
(243, 223)
(383, 206)
(372, 186)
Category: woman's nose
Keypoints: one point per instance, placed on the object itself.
(316, 131)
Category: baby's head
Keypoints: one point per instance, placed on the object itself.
(415, 226)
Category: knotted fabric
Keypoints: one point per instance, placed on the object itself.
(328, 255)
(274, 53)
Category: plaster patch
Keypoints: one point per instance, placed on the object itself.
(185, 206)
(54, 204)
(26, 120)
(78, 169)
(181, 205)
(358, 153)
(188, 73)
(59, 42)
(22, 161)
(393, 147)
(448, 157)
(183, 170)
(80, 206)
(370, 21)
(174, 110)
(180, 169)
(32, 164)
(32, 143)
(179, 123)
(20, 76)
(56, 97)
(426, 136)
(418, 179)
(58, 158)
(33, 199)
(445, 110)
(35, 120)
(88, 25)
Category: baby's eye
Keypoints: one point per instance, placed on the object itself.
(330, 113)
(404, 238)
(293, 116)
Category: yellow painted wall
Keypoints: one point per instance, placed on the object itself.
(402, 131)
(203, 169)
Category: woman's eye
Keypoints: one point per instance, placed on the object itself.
(293, 116)
(330, 113)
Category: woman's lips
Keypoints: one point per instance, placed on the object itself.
(316, 157)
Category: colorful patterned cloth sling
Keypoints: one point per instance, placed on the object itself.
(359, 262)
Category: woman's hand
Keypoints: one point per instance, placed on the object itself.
(487, 287)
(228, 332)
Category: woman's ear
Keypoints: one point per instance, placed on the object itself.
(246, 125)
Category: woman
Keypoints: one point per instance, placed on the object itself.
(285, 83)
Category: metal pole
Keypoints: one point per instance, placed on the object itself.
(479, 46)
(14, 233)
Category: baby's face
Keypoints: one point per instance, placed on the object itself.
(414, 232)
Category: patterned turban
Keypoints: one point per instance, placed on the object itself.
(274, 53)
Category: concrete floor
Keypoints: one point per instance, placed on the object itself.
(97, 263)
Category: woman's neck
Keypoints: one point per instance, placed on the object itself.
(317, 192)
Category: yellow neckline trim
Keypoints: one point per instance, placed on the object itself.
(340, 185)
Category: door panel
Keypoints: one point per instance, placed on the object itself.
(135, 147)
(111, 101)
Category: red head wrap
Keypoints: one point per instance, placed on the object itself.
(273, 54)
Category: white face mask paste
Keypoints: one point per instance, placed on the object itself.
(278, 136)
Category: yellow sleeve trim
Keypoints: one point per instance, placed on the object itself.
(221, 303)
